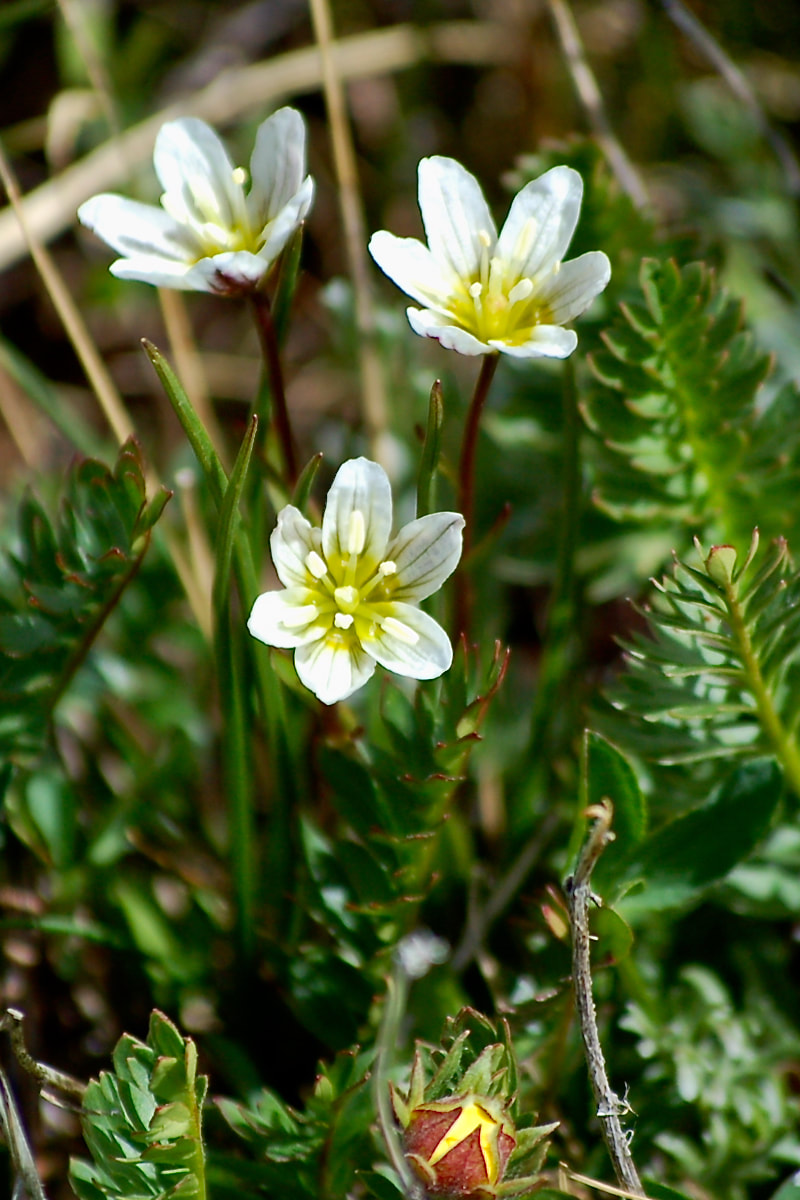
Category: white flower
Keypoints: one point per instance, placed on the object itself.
(350, 592)
(483, 292)
(209, 235)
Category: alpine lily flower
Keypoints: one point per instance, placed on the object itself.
(483, 292)
(350, 590)
(209, 235)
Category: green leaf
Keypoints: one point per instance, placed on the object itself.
(609, 774)
(142, 1123)
(686, 438)
(58, 588)
(429, 462)
(790, 1189)
(679, 860)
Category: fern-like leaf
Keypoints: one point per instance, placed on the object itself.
(676, 409)
(61, 582)
(717, 672)
(142, 1122)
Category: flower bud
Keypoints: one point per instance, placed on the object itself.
(459, 1146)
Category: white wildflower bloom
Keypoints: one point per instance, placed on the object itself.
(484, 292)
(350, 589)
(210, 234)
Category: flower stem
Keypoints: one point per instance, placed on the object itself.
(466, 481)
(272, 361)
(785, 747)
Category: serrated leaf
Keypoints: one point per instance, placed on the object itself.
(144, 1143)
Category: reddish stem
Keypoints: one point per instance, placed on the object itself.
(272, 359)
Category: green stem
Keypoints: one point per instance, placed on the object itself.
(784, 746)
(197, 1160)
(272, 360)
(466, 485)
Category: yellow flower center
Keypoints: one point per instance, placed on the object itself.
(350, 595)
(498, 304)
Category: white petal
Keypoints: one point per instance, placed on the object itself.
(273, 619)
(440, 326)
(431, 655)
(277, 164)
(573, 286)
(232, 271)
(360, 486)
(541, 222)
(292, 540)
(332, 671)
(159, 272)
(426, 552)
(286, 221)
(135, 229)
(195, 172)
(413, 268)
(455, 214)
(545, 341)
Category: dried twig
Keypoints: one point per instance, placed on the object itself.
(610, 1107)
(591, 99)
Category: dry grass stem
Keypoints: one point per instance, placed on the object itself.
(107, 395)
(373, 396)
(50, 208)
(592, 101)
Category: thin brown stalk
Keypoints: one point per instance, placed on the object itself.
(74, 16)
(592, 101)
(107, 395)
(373, 398)
(610, 1107)
(272, 361)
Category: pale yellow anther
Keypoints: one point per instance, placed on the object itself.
(484, 237)
(316, 565)
(343, 620)
(475, 289)
(398, 629)
(239, 176)
(356, 532)
(347, 598)
(521, 290)
(387, 568)
(527, 236)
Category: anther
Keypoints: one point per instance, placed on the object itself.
(387, 568)
(356, 532)
(316, 565)
(343, 620)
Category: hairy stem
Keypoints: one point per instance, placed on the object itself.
(272, 361)
(609, 1105)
